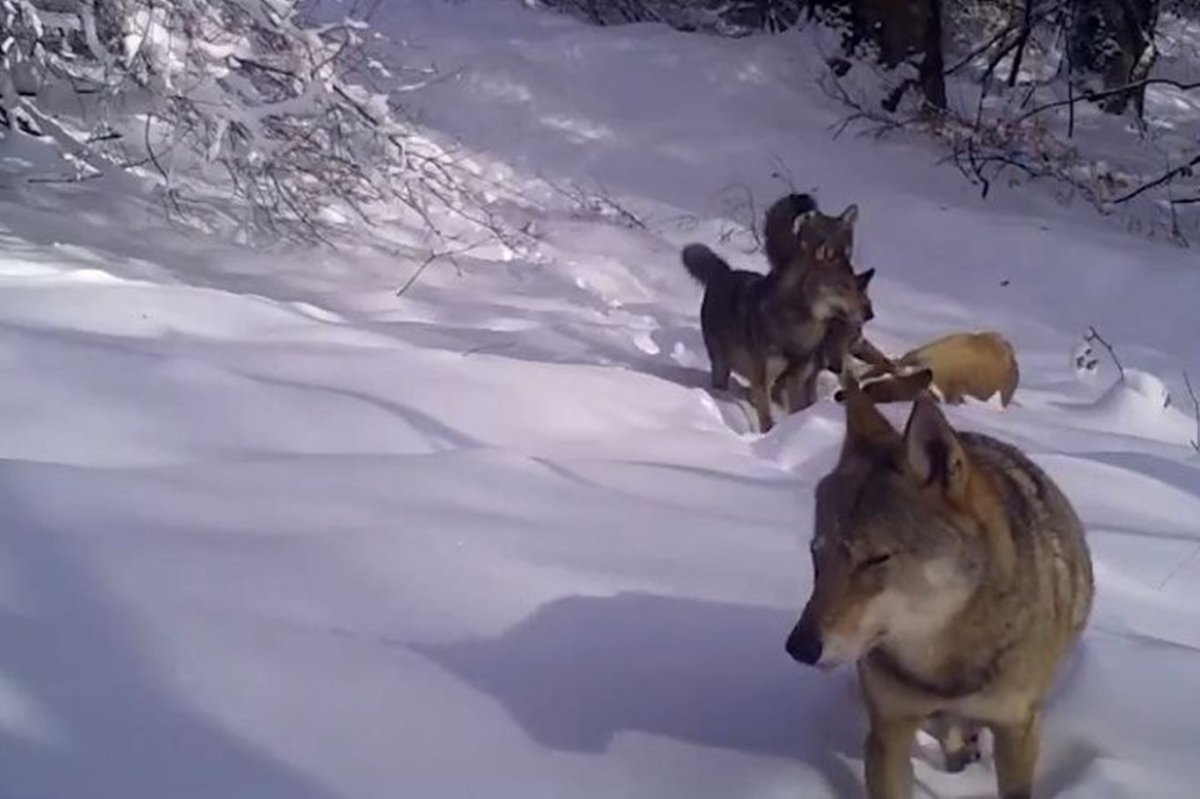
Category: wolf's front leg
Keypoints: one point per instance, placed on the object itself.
(1016, 755)
(888, 763)
(760, 396)
(802, 386)
(762, 407)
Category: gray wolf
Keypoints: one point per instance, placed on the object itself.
(796, 231)
(757, 324)
(955, 574)
(780, 242)
(798, 235)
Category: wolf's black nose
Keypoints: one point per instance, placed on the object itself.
(804, 645)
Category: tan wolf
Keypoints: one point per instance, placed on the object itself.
(954, 572)
(978, 365)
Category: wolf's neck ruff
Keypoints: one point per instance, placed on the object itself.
(963, 680)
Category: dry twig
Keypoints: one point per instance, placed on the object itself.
(1095, 337)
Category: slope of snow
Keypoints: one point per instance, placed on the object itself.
(273, 531)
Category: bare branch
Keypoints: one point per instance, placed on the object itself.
(1094, 337)
(1166, 177)
(1100, 95)
(1187, 381)
(597, 202)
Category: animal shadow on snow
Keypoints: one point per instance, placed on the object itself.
(580, 670)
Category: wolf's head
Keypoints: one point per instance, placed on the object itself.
(897, 546)
(806, 303)
(827, 240)
(836, 293)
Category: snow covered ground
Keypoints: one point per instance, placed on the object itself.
(271, 531)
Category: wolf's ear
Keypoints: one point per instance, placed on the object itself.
(849, 216)
(863, 278)
(933, 451)
(866, 428)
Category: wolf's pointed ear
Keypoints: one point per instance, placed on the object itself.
(933, 450)
(863, 278)
(850, 215)
(866, 428)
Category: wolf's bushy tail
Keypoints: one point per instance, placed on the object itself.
(779, 228)
(704, 264)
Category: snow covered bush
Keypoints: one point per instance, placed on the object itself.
(242, 111)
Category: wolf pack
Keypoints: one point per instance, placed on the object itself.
(948, 568)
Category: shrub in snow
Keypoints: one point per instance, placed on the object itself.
(249, 96)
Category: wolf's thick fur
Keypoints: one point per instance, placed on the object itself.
(978, 365)
(954, 572)
(797, 235)
(796, 387)
(756, 324)
(779, 228)
(795, 229)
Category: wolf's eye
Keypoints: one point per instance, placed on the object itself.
(878, 560)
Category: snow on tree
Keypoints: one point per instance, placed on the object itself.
(252, 98)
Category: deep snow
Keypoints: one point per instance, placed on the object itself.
(272, 531)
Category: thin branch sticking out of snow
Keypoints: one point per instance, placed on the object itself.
(1187, 381)
(597, 202)
(1095, 337)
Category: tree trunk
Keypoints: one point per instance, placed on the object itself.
(1022, 41)
(1114, 40)
(932, 70)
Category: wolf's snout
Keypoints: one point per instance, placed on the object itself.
(804, 645)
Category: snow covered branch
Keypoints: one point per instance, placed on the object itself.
(246, 109)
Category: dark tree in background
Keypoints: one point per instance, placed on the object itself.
(1114, 40)
(1109, 43)
(1029, 77)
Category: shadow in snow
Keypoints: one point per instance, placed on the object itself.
(99, 722)
(580, 670)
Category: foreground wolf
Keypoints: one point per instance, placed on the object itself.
(756, 324)
(959, 365)
(956, 575)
